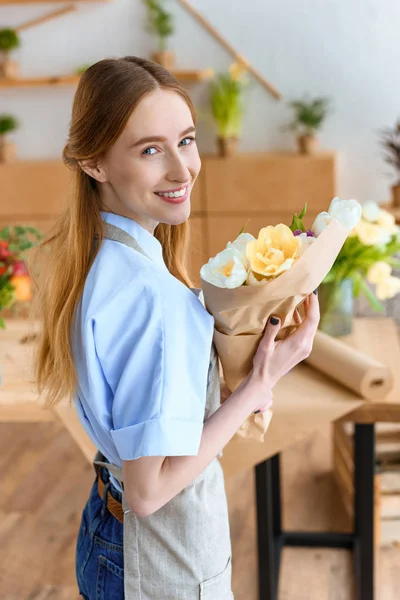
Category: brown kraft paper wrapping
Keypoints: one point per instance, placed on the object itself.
(241, 314)
(350, 367)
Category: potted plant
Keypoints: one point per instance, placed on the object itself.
(8, 123)
(9, 41)
(15, 282)
(227, 107)
(367, 257)
(161, 23)
(308, 118)
(391, 143)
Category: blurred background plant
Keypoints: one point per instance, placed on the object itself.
(161, 23)
(8, 124)
(9, 41)
(15, 281)
(227, 106)
(367, 258)
(309, 116)
(81, 70)
(391, 143)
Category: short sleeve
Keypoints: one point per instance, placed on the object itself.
(154, 348)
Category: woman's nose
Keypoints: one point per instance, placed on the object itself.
(178, 170)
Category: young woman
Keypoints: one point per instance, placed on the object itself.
(126, 336)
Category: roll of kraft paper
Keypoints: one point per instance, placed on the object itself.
(353, 369)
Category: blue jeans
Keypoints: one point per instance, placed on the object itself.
(99, 548)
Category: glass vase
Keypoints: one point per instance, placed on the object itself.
(336, 301)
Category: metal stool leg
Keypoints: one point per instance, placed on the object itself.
(269, 527)
(364, 465)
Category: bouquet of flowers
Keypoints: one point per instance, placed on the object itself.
(255, 278)
(368, 256)
(15, 282)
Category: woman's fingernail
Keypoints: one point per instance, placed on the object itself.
(256, 411)
(274, 321)
(315, 292)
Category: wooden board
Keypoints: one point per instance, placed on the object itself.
(268, 182)
(33, 190)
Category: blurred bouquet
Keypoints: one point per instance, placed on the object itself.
(15, 282)
(252, 279)
(368, 256)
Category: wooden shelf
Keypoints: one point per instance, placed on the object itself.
(39, 82)
(184, 76)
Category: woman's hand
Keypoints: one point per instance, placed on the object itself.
(274, 359)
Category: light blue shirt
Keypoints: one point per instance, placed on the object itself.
(142, 351)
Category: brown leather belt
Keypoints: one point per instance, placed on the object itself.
(113, 505)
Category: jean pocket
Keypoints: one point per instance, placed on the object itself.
(110, 580)
(218, 587)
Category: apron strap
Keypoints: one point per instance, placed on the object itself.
(111, 232)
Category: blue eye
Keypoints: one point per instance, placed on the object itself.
(188, 141)
(147, 151)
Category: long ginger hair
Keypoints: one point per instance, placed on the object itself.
(107, 94)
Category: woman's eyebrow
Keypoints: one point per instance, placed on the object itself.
(155, 138)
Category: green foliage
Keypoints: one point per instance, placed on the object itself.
(309, 115)
(9, 40)
(14, 243)
(354, 261)
(81, 70)
(227, 105)
(20, 239)
(160, 21)
(391, 143)
(8, 123)
(297, 221)
(6, 295)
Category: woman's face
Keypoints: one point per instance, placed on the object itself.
(150, 171)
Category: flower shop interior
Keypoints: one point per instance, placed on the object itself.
(294, 110)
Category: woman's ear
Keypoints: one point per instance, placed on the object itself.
(93, 170)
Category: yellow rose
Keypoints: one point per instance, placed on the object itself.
(274, 251)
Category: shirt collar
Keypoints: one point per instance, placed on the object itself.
(144, 238)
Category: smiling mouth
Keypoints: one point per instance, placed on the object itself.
(174, 196)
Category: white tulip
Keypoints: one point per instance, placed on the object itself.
(371, 212)
(379, 272)
(226, 270)
(321, 222)
(347, 212)
(388, 288)
(305, 242)
(241, 242)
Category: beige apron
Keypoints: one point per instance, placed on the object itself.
(182, 551)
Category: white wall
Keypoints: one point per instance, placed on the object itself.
(346, 49)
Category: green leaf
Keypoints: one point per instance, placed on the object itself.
(2, 323)
(297, 223)
(372, 299)
(303, 212)
(244, 227)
